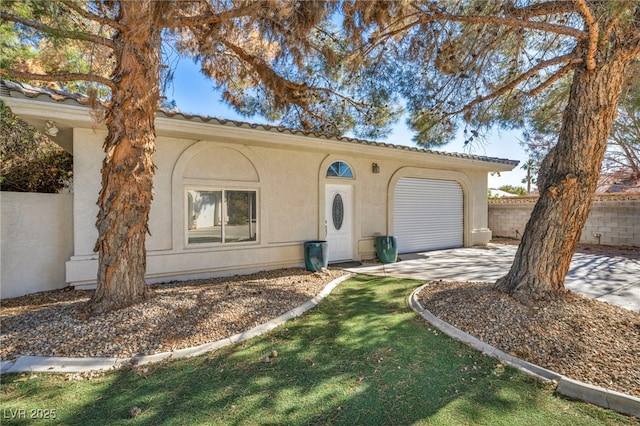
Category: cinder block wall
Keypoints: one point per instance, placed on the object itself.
(614, 219)
(617, 223)
(509, 219)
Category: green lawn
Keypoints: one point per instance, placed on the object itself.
(360, 357)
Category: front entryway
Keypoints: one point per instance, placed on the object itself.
(339, 221)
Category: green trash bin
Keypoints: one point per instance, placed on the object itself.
(387, 248)
(316, 255)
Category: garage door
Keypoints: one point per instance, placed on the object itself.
(428, 214)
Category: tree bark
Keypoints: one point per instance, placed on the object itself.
(567, 181)
(127, 169)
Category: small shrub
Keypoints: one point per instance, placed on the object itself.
(29, 160)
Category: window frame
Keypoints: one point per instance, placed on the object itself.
(223, 190)
(340, 162)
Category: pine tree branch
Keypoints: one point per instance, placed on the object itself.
(555, 77)
(613, 22)
(76, 35)
(594, 33)
(58, 77)
(387, 34)
(285, 89)
(633, 49)
(211, 17)
(434, 14)
(541, 9)
(92, 16)
(571, 59)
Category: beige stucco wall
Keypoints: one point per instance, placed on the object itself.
(36, 234)
(288, 172)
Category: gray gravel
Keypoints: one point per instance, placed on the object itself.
(180, 315)
(581, 338)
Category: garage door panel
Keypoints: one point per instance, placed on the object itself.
(428, 214)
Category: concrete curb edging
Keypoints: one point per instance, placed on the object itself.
(616, 401)
(78, 365)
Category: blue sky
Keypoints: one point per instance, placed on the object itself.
(195, 94)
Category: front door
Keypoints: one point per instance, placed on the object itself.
(339, 221)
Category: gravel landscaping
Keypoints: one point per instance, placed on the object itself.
(581, 338)
(182, 314)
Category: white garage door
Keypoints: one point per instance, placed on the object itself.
(428, 214)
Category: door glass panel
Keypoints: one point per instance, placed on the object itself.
(337, 211)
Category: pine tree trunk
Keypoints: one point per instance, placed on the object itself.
(567, 181)
(128, 169)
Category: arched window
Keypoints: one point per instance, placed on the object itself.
(221, 188)
(339, 169)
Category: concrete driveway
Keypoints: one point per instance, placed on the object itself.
(612, 279)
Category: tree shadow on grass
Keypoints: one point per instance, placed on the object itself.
(180, 315)
(360, 357)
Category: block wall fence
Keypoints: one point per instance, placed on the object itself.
(614, 220)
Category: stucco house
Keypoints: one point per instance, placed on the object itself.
(232, 197)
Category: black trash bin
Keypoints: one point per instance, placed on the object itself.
(387, 248)
(316, 255)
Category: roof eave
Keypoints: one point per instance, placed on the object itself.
(71, 111)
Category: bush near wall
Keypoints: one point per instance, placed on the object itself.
(29, 160)
(614, 219)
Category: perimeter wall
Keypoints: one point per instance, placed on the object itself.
(613, 220)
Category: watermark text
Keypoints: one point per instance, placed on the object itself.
(29, 413)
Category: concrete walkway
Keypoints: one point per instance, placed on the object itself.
(614, 280)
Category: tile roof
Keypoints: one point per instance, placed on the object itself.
(7, 87)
